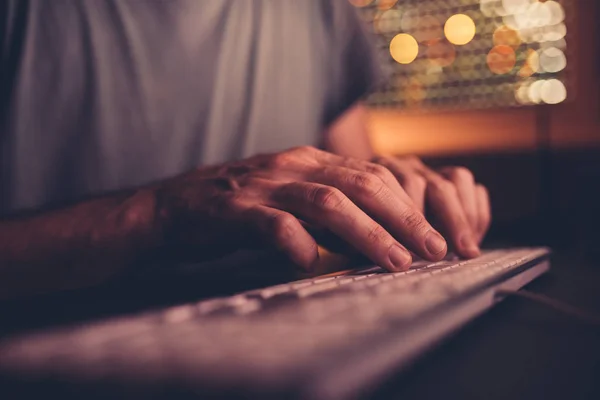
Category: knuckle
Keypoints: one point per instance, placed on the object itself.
(443, 187)
(328, 198)
(414, 182)
(415, 221)
(461, 174)
(367, 183)
(379, 170)
(283, 226)
(281, 160)
(377, 235)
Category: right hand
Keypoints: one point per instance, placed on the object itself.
(274, 198)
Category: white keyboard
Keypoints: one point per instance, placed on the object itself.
(313, 335)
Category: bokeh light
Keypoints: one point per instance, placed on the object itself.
(552, 60)
(459, 29)
(386, 4)
(501, 59)
(387, 22)
(531, 65)
(441, 53)
(553, 91)
(404, 48)
(360, 3)
(535, 91)
(456, 54)
(506, 36)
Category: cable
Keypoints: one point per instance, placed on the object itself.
(579, 314)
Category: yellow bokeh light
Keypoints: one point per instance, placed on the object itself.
(460, 29)
(506, 36)
(532, 64)
(386, 4)
(501, 59)
(404, 48)
(360, 3)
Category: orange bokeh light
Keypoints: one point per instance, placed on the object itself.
(501, 59)
(441, 53)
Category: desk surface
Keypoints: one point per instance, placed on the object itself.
(518, 350)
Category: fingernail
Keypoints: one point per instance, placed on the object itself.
(435, 243)
(400, 258)
(469, 245)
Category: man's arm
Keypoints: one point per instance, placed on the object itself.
(76, 246)
(348, 135)
(212, 210)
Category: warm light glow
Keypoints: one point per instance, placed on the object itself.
(501, 59)
(553, 91)
(460, 29)
(506, 36)
(522, 93)
(554, 32)
(515, 6)
(552, 60)
(410, 20)
(429, 29)
(404, 48)
(487, 7)
(387, 22)
(441, 54)
(557, 13)
(360, 3)
(532, 64)
(463, 54)
(386, 4)
(414, 91)
(535, 92)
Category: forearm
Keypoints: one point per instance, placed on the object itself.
(77, 246)
(348, 136)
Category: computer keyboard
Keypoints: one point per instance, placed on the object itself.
(325, 337)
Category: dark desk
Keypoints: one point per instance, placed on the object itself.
(518, 350)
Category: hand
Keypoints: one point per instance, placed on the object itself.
(456, 202)
(274, 198)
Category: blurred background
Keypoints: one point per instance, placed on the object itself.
(508, 88)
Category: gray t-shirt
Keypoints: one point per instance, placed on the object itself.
(101, 95)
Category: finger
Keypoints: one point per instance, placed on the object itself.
(284, 231)
(464, 182)
(411, 181)
(333, 210)
(484, 211)
(379, 170)
(442, 198)
(375, 198)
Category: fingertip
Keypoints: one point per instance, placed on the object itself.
(435, 245)
(468, 247)
(400, 258)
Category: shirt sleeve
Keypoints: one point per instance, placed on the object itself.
(356, 68)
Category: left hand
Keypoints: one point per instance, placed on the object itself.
(456, 202)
